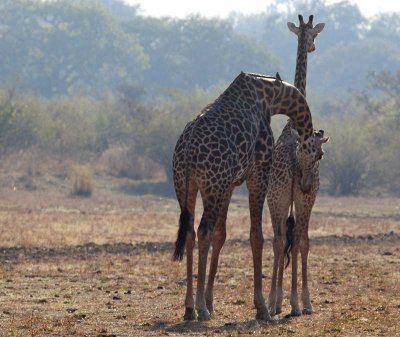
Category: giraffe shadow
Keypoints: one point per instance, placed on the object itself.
(247, 326)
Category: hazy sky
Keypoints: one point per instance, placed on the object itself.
(181, 8)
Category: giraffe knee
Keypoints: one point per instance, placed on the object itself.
(256, 238)
(204, 232)
(191, 239)
(219, 238)
(304, 243)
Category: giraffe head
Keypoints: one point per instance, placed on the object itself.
(307, 31)
(308, 154)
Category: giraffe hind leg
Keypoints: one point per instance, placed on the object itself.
(190, 313)
(218, 240)
(189, 241)
(257, 195)
(212, 207)
(275, 295)
(204, 240)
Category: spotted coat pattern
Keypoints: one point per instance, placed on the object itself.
(228, 143)
(288, 184)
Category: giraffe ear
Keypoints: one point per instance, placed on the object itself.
(318, 28)
(324, 140)
(292, 27)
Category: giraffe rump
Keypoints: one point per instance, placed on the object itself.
(290, 223)
(182, 233)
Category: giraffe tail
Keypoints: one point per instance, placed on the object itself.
(290, 223)
(182, 233)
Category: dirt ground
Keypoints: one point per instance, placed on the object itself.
(102, 267)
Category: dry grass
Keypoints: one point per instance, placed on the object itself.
(82, 180)
(56, 219)
(64, 292)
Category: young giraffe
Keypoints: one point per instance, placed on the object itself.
(285, 187)
(229, 142)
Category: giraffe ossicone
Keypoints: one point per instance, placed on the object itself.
(294, 179)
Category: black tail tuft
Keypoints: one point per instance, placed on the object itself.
(182, 232)
(290, 223)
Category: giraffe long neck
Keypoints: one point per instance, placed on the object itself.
(301, 116)
(292, 103)
(300, 79)
(274, 97)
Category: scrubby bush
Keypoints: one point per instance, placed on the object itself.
(128, 163)
(345, 164)
(171, 112)
(135, 137)
(81, 180)
(20, 117)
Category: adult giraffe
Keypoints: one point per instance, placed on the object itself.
(288, 185)
(228, 143)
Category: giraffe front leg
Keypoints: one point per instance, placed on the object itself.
(278, 198)
(294, 298)
(276, 295)
(257, 241)
(279, 289)
(272, 292)
(303, 211)
(305, 293)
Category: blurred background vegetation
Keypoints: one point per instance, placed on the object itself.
(94, 84)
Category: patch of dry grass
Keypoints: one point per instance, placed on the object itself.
(56, 219)
(354, 291)
(354, 287)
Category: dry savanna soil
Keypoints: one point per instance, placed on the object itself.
(101, 266)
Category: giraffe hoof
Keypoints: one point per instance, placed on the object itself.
(203, 315)
(263, 316)
(275, 311)
(294, 313)
(308, 311)
(190, 314)
(210, 310)
(210, 307)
